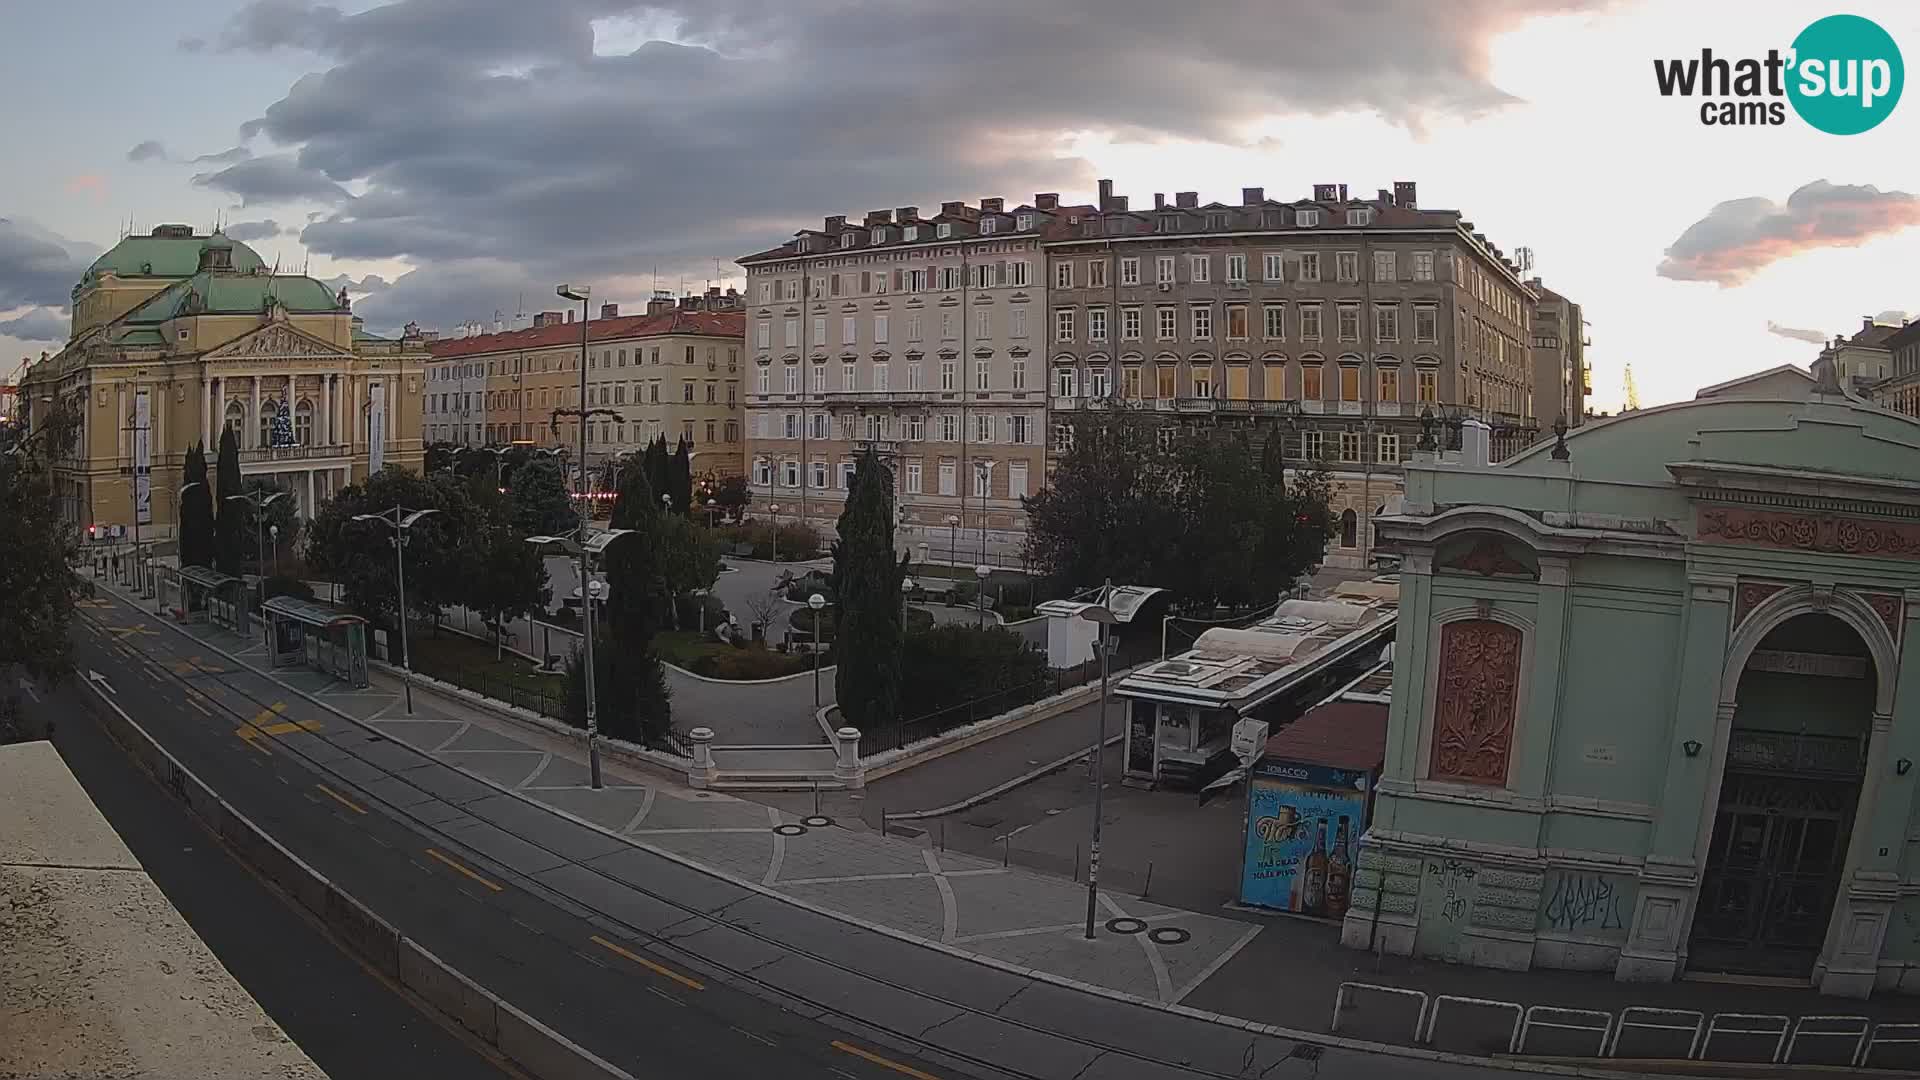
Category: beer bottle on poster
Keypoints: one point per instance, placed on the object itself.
(1315, 901)
(1339, 872)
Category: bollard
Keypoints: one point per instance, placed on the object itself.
(883, 820)
(943, 836)
(1006, 852)
(1149, 885)
(1076, 862)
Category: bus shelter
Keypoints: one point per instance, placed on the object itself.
(207, 595)
(323, 638)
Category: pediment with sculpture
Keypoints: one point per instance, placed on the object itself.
(278, 341)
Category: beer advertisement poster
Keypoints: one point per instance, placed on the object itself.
(1303, 825)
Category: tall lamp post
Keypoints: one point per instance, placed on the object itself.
(712, 505)
(816, 602)
(584, 545)
(1103, 614)
(774, 509)
(980, 596)
(400, 519)
(953, 539)
(259, 500)
(906, 588)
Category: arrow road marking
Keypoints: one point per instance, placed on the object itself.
(95, 677)
(28, 687)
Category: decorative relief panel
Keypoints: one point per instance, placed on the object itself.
(1890, 609)
(1750, 595)
(1488, 557)
(1825, 533)
(1477, 701)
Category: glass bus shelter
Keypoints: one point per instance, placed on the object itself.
(323, 638)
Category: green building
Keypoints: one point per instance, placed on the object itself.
(1652, 712)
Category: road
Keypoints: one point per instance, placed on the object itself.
(349, 1020)
(521, 943)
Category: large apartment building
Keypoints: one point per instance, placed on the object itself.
(921, 337)
(1562, 381)
(674, 371)
(1333, 322)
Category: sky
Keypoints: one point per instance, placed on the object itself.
(448, 160)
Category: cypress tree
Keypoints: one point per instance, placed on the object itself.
(867, 576)
(196, 510)
(680, 476)
(230, 520)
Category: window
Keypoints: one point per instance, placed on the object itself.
(1096, 273)
(1166, 323)
(1360, 217)
(1425, 385)
(847, 333)
(763, 380)
(1063, 323)
(1062, 437)
(1307, 219)
(303, 422)
(1203, 382)
(947, 479)
(762, 472)
(1019, 322)
(1389, 447)
(1130, 324)
(919, 280)
(1389, 384)
(1237, 269)
(948, 380)
(1426, 323)
(1130, 271)
(1313, 446)
(819, 380)
(983, 427)
(1349, 321)
(1130, 379)
(849, 377)
(1271, 270)
(1236, 322)
(1346, 265)
(989, 225)
(1163, 269)
(1023, 222)
(1384, 268)
(653, 355)
(766, 292)
(982, 480)
(1274, 322)
(819, 425)
(911, 232)
(1202, 323)
(879, 329)
(1199, 268)
(790, 473)
(1017, 432)
(1017, 273)
(984, 275)
(1065, 382)
(1163, 382)
(846, 239)
(1423, 266)
(1309, 266)
(819, 471)
(1097, 384)
(946, 326)
(1016, 479)
(1349, 449)
(846, 475)
(982, 374)
(1097, 324)
(793, 333)
(913, 328)
(1063, 275)
(881, 377)
(1310, 374)
(1386, 322)
(686, 390)
(1349, 382)
(913, 477)
(1019, 374)
(943, 230)
(1216, 221)
(914, 381)
(653, 392)
(982, 324)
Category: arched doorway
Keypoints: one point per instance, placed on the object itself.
(1795, 757)
(1349, 528)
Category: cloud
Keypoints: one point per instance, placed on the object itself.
(38, 324)
(1892, 317)
(1814, 337)
(37, 267)
(244, 231)
(193, 44)
(275, 178)
(224, 157)
(1740, 237)
(588, 138)
(148, 151)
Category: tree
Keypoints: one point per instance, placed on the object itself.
(509, 579)
(36, 576)
(632, 693)
(230, 520)
(952, 664)
(280, 515)
(658, 466)
(867, 589)
(538, 503)
(680, 475)
(631, 698)
(438, 456)
(1107, 512)
(196, 510)
(733, 495)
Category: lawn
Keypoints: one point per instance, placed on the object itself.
(718, 660)
(463, 661)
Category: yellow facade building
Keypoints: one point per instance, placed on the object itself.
(177, 336)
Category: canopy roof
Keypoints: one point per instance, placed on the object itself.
(310, 613)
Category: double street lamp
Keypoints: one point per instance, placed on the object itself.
(259, 499)
(1103, 614)
(583, 545)
(816, 602)
(400, 519)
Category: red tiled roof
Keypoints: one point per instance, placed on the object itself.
(730, 324)
(1339, 734)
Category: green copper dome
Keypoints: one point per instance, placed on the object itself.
(171, 251)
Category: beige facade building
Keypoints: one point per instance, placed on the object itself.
(1900, 389)
(1332, 322)
(672, 372)
(921, 337)
(1562, 381)
(177, 336)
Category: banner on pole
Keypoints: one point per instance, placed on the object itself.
(376, 426)
(142, 458)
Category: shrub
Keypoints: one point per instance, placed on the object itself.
(748, 663)
(801, 588)
(288, 585)
(802, 622)
(951, 664)
(687, 609)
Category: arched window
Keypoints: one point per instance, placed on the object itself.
(303, 423)
(1349, 528)
(268, 410)
(236, 418)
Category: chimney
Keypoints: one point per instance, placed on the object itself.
(835, 223)
(1403, 194)
(907, 215)
(1384, 198)
(995, 205)
(1343, 193)
(1866, 323)
(539, 319)
(569, 316)
(951, 209)
(1252, 196)
(1326, 192)
(609, 311)
(1106, 194)
(1119, 204)
(879, 217)
(661, 303)
(1047, 200)
(1186, 200)
(1159, 200)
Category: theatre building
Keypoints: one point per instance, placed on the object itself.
(1655, 704)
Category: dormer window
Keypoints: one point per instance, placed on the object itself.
(988, 225)
(802, 245)
(879, 236)
(846, 239)
(1360, 217)
(1023, 222)
(912, 232)
(1216, 221)
(1307, 219)
(943, 230)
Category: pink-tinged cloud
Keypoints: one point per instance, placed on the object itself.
(92, 185)
(1741, 237)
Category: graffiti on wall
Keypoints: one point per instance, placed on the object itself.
(1587, 903)
(1448, 889)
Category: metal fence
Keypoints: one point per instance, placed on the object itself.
(933, 724)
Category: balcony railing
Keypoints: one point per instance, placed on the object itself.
(267, 454)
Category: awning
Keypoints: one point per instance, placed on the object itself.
(309, 613)
(207, 577)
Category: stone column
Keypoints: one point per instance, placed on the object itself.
(1409, 679)
(1542, 707)
(251, 437)
(311, 506)
(846, 762)
(122, 447)
(701, 773)
(324, 436)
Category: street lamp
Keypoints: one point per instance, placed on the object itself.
(1103, 614)
(712, 505)
(816, 602)
(953, 539)
(774, 509)
(906, 587)
(400, 519)
(666, 503)
(981, 572)
(259, 500)
(583, 545)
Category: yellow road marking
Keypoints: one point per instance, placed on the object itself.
(250, 733)
(127, 631)
(887, 1063)
(657, 969)
(463, 869)
(341, 799)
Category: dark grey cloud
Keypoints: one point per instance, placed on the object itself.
(489, 134)
(1741, 237)
(40, 324)
(244, 231)
(1797, 333)
(275, 178)
(148, 151)
(39, 267)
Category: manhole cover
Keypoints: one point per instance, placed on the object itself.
(816, 821)
(1126, 925)
(1168, 935)
(790, 830)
